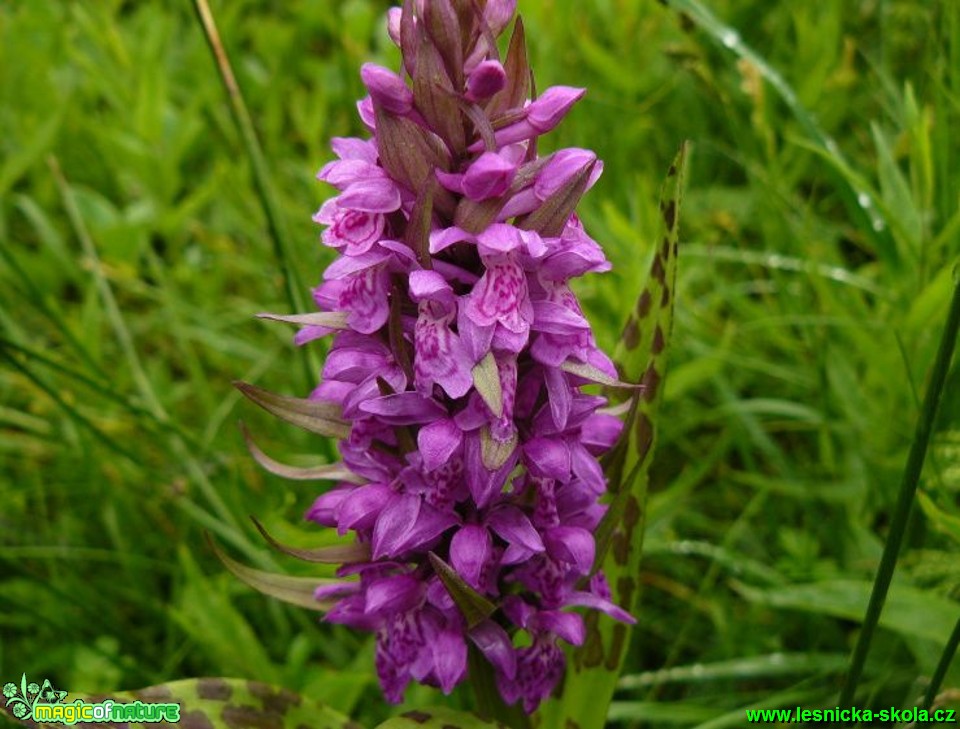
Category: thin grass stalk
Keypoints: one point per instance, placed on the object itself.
(946, 658)
(908, 490)
(877, 227)
(70, 411)
(125, 340)
(261, 175)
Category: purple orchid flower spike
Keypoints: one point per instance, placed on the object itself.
(458, 356)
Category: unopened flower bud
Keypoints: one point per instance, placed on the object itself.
(486, 79)
(387, 88)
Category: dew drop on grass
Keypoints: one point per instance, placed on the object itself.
(730, 38)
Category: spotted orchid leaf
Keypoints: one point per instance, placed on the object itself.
(437, 718)
(218, 703)
(640, 357)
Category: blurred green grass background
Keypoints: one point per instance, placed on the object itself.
(820, 234)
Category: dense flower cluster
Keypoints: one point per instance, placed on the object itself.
(458, 356)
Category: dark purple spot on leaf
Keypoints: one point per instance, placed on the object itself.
(620, 544)
(658, 341)
(657, 271)
(616, 646)
(418, 716)
(195, 720)
(246, 717)
(643, 305)
(670, 213)
(631, 334)
(213, 688)
(665, 297)
(591, 654)
(625, 588)
(151, 693)
(650, 382)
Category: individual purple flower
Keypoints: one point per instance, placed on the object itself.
(458, 356)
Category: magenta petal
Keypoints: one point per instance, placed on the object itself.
(495, 644)
(515, 554)
(568, 626)
(387, 88)
(440, 239)
(336, 590)
(486, 79)
(470, 550)
(587, 469)
(438, 441)
(374, 195)
(429, 525)
(551, 106)
(395, 521)
(440, 356)
(428, 285)
(351, 265)
(499, 238)
(548, 457)
(573, 545)
(324, 508)
(562, 167)
(600, 432)
(513, 526)
(362, 507)
(520, 203)
(453, 181)
(555, 318)
(403, 408)
(390, 595)
(353, 148)
(449, 658)
(349, 611)
(498, 13)
(489, 176)
(587, 599)
(559, 395)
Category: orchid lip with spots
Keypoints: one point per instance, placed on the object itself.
(459, 353)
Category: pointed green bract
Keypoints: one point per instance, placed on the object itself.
(641, 357)
(474, 607)
(333, 554)
(317, 417)
(297, 591)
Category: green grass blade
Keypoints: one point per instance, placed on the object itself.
(861, 201)
(943, 665)
(261, 174)
(905, 498)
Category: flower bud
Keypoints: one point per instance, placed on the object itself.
(485, 80)
(387, 89)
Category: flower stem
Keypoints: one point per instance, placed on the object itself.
(908, 489)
